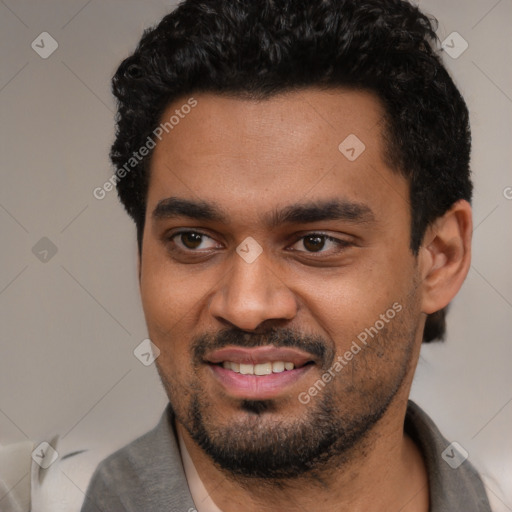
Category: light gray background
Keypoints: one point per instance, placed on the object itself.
(69, 325)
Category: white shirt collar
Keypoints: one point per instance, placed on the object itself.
(200, 496)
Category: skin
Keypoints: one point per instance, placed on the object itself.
(251, 158)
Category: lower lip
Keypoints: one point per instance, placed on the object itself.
(257, 387)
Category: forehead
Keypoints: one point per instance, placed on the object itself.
(250, 156)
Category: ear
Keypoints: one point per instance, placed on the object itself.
(445, 256)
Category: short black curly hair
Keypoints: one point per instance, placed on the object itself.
(258, 48)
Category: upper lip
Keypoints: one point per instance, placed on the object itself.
(258, 355)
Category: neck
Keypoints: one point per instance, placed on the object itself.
(385, 471)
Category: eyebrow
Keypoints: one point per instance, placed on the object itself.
(297, 213)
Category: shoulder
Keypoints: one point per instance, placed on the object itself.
(145, 473)
(454, 481)
(116, 480)
(127, 461)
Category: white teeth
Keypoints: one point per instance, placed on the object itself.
(278, 366)
(231, 366)
(258, 369)
(247, 369)
(263, 369)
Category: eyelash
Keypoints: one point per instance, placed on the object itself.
(342, 244)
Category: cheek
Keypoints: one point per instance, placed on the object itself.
(168, 302)
(166, 299)
(174, 298)
(348, 299)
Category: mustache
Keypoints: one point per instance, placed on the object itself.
(289, 338)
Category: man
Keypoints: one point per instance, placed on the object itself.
(298, 173)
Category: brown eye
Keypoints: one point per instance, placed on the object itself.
(191, 240)
(314, 243)
(321, 244)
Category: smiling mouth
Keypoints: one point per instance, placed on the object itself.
(261, 369)
(259, 373)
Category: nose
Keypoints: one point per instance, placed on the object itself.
(251, 294)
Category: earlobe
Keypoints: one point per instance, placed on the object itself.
(445, 256)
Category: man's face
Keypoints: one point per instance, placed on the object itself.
(335, 274)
